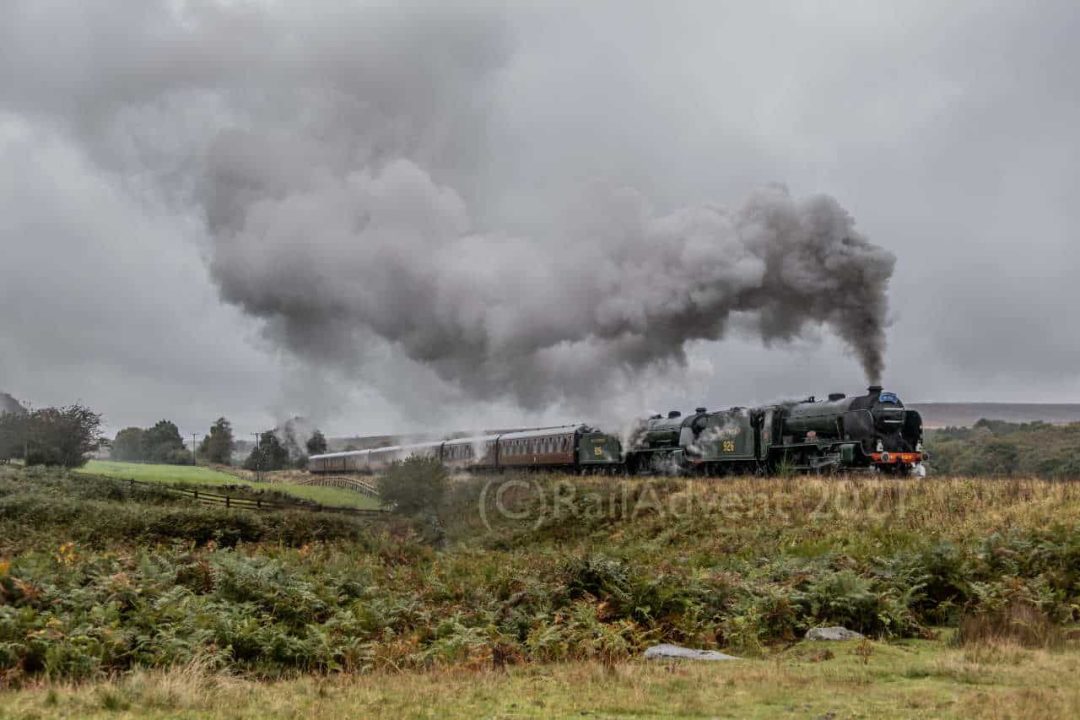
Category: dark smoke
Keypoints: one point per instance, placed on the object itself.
(334, 157)
(393, 257)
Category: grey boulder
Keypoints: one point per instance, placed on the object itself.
(833, 633)
(674, 652)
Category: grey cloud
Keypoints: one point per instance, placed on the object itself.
(947, 130)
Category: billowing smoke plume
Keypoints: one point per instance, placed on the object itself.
(390, 253)
(337, 160)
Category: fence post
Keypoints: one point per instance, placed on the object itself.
(226, 502)
(258, 503)
(195, 493)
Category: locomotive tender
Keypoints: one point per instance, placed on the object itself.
(873, 431)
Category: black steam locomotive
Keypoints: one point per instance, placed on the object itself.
(867, 432)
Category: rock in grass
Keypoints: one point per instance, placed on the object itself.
(833, 633)
(674, 652)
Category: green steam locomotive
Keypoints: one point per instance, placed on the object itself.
(872, 431)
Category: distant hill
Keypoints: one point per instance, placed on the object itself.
(8, 404)
(997, 447)
(939, 415)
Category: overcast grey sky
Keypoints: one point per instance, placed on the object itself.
(132, 131)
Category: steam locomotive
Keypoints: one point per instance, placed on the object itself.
(873, 431)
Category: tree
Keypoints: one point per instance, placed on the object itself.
(218, 446)
(316, 444)
(268, 454)
(129, 445)
(62, 436)
(12, 436)
(13, 424)
(164, 444)
(415, 485)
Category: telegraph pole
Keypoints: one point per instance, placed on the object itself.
(194, 461)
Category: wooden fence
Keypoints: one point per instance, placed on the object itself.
(239, 502)
(355, 484)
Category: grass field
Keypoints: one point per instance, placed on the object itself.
(909, 679)
(535, 596)
(194, 475)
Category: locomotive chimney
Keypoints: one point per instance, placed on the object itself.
(833, 397)
(699, 410)
(673, 414)
(875, 390)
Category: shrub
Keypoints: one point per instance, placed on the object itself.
(415, 485)
(599, 576)
(98, 577)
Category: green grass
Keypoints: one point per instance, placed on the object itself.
(914, 679)
(145, 472)
(193, 475)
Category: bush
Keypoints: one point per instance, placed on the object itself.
(414, 486)
(98, 577)
(61, 436)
